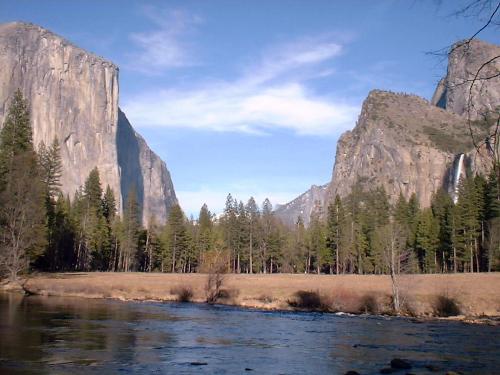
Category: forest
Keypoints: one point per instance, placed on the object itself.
(41, 229)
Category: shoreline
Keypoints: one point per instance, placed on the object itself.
(475, 298)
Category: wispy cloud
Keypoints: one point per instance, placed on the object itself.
(166, 45)
(293, 58)
(271, 94)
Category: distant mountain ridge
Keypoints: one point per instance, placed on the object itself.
(304, 205)
(74, 96)
(410, 145)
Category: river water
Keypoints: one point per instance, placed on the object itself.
(51, 335)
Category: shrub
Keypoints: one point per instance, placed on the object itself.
(445, 306)
(214, 285)
(183, 293)
(310, 300)
(369, 304)
(345, 301)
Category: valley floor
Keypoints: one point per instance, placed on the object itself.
(474, 295)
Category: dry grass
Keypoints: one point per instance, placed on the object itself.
(476, 294)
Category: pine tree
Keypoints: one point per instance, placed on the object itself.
(22, 214)
(467, 223)
(129, 235)
(63, 236)
(230, 229)
(427, 241)
(49, 160)
(442, 209)
(176, 238)
(92, 240)
(334, 226)
(253, 222)
(109, 204)
(93, 191)
(16, 136)
(242, 236)
(267, 227)
(318, 251)
(51, 164)
(413, 212)
(206, 236)
(492, 220)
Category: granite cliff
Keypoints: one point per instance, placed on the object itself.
(73, 96)
(403, 143)
(409, 145)
(313, 200)
(471, 61)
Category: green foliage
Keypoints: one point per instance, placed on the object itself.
(360, 233)
(427, 241)
(22, 216)
(16, 136)
(446, 141)
(176, 247)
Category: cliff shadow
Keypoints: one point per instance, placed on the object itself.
(129, 161)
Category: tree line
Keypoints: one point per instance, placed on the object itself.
(43, 229)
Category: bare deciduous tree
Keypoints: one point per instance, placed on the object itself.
(391, 242)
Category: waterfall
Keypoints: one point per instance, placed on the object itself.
(458, 172)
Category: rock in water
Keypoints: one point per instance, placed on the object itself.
(74, 96)
(401, 364)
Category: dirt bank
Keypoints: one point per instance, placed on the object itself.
(472, 295)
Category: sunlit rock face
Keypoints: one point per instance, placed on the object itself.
(73, 96)
(313, 200)
(401, 142)
(478, 62)
(411, 146)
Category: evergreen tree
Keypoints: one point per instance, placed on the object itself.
(129, 235)
(16, 137)
(267, 228)
(334, 226)
(242, 238)
(51, 169)
(467, 223)
(206, 236)
(176, 238)
(22, 215)
(442, 209)
(253, 222)
(230, 228)
(51, 165)
(492, 221)
(109, 204)
(318, 251)
(427, 241)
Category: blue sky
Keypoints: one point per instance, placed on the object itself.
(250, 97)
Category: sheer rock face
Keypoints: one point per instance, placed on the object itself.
(466, 62)
(143, 170)
(409, 145)
(401, 142)
(313, 200)
(73, 96)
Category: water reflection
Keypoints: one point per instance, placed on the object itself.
(42, 335)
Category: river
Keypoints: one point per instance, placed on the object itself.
(51, 335)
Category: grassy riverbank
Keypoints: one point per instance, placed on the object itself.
(472, 295)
